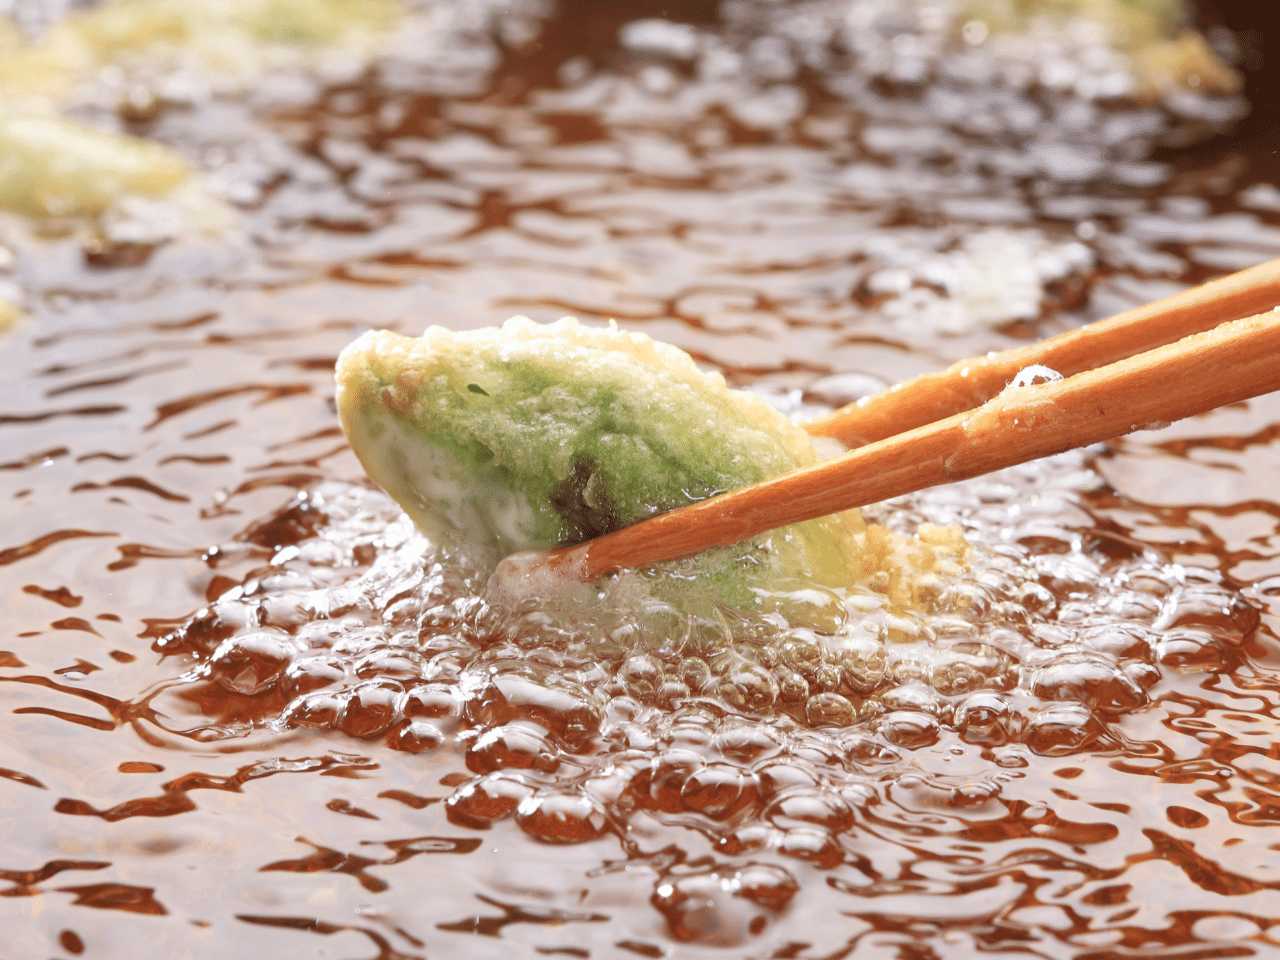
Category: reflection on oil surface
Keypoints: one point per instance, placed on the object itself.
(250, 712)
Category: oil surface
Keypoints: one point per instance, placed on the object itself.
(249, 712)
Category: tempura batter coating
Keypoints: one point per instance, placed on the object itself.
(534, 436)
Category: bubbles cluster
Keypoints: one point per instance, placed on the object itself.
(764, 733)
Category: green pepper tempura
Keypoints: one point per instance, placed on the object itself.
(536, 436)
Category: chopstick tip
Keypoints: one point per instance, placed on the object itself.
(538, 573)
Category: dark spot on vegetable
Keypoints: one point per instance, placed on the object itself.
(583, 502)
(476, 388)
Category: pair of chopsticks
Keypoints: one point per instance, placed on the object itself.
(1175, 358)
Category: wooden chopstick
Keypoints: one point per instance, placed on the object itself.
(1232, 362)
(968, 383)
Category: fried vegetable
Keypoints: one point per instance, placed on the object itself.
(51, 166)
(535, 436)
(228, 37)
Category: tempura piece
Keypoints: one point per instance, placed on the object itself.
(232, 38)
(51, 166)
(1164, 52)
(536, 436)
